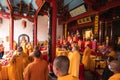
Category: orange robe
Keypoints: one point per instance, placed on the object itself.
(16, 66)
(37, 70)
(14, 45)
(4, 73)
(74, 58)
(86, 58)
(67, 77)
(115, 77)
(30, 49)
(112, 53)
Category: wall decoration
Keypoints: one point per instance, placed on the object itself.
(24, 24)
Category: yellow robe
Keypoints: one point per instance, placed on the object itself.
(30, 49)
(14, 45)
(67, 77)
(86, 58)
(74, 58)
(16, 66)
(115, 77)
(37, 70)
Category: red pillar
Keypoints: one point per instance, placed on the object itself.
(11, 34)
(54, 24)
(35, 31)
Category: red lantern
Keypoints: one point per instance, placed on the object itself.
(24, 23)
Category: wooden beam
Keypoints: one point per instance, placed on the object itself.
(89, 2)
(9, 5)
(82, 25)
(41, 3)
(110, 5)
(4, 17)
(11, 32)
(15, 15)
(11, 27)
(1, 13)
(43, 13)
(21, 16)
(35, 31)
(81, 16)
(104, 8)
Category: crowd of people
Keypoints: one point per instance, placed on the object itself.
(89, 51)
(27, 62)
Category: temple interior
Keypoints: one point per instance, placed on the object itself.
(86, 31)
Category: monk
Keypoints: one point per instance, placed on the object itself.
(112, 53)
(14, 45)
(17, 65)
(25, 49)
(38, 69)
(107, 72)
(86, 58)
(74, 58)
(60, 68)
(115, 67)
(29, 48)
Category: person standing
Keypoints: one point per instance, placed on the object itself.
(86, 57)
(107, 72)
(74, 58)
(38, 69)
(61, 67)
(17, 65)
(115, 67)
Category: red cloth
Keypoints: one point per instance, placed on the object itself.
(96, 53)
(50, 67)
(45, 57)
(81, 72)
(42, 48)
(83, 45)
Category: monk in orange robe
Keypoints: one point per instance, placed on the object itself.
(25, 50)
(86, 57)
(60, 68)
(30, 48)
(14, 45)
(115, 67)
(38, 69)
(17, 65)
(74, 58)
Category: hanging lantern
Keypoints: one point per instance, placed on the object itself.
(24, 23)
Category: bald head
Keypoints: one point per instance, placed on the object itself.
(61, 64)
(115, 66)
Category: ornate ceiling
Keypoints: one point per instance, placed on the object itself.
(28, 8)
(66, 9)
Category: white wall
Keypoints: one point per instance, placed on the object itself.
(59, 31)
(42, 32)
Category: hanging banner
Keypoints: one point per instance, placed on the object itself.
(84, 20)
(65, 30)
(96, 25)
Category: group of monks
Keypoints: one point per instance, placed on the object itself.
(78, 51)
(17, 60)
(85, 52)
